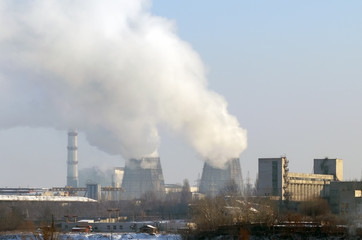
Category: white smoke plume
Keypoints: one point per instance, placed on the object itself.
(113, 71)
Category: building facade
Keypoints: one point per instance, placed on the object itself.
(304, 186)
(329, 166)
(276, 181)
(271, 176)
(346, 200)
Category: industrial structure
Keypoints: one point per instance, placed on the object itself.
(142, 176)
(72, 163)
(345, 200)
(344, 197)
(117, 179)
(329, 166)
(214, 180)
(276, 181)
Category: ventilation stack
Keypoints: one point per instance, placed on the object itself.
(214, 180)
(72, 173)
(142, 176)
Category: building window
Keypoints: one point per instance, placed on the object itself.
(358, 193)
(275, 178)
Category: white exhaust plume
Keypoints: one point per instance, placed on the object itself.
(113, 71)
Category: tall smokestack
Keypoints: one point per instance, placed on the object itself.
(72, 173)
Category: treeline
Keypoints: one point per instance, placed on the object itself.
(232, 213)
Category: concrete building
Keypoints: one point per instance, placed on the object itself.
(141, 176)
(94, 191)
(271, 176)
(213, 180)
(329, 166)
(345, 200)
(276, 181)
(304, 186)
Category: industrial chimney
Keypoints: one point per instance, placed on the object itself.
(72, 173)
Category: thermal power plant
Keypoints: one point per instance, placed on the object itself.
(142, 176)
(72, 172)
(214, 180)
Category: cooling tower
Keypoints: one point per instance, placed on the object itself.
(214, 180)
(117, 178)
(72, 172)
(141, 176)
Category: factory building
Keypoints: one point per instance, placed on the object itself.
(94, 191)
(329, 166)
(214, 180)
(142, 176)
(345, 200)
(276, 181)
(272, 172)
(303, 186)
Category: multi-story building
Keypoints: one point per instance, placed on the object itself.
(271, 176)
(303, 186)
(329, 166)
(345, 199)
(276, 181)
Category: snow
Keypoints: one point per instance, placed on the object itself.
(96, 236)
(45, 198)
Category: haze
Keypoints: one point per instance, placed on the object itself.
(290, 73)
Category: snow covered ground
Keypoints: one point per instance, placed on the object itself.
(95, 236)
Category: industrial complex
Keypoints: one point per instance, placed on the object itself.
(144, 175)
(276, 182)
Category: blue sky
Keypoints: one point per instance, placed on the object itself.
(290, 72)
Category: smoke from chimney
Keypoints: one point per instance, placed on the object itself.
(113, 71)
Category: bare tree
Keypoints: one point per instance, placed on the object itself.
(315, 207)
(209, 213)
(186, 195)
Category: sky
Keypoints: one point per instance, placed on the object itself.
(289, 71)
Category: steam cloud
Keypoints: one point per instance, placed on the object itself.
(113, 71)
